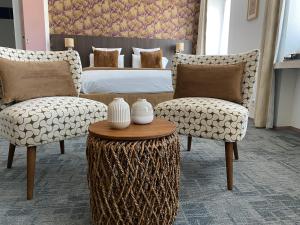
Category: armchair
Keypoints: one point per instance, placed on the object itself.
(209, 117)
(49, 119)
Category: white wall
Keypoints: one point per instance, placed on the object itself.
(244, 35)
(214, 26)
(287, 98)
(295, 121)
(284, 97)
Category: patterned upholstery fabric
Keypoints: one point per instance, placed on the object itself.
(206, 117)
(209, 117)
(250, 58)
(43, 120)
(71, 56)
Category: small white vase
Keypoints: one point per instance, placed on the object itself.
(118, 114)
(141, 112)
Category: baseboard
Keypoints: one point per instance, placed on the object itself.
(287, 128)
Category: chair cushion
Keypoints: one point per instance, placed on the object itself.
(206, 117)
(251, 59)
(45, 56)
(211, 81)
(27, 80)
(44, 120)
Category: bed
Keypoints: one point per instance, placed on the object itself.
(155, 88)
(103, 84)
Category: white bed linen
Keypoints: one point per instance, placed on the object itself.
(126, 81)
(138, 51)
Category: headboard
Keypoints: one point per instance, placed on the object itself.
(83, 44)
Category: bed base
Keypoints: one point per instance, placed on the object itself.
(153, 98)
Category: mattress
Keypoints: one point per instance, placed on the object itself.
(126, 81)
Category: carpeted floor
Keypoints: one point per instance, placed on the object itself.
(266, 191)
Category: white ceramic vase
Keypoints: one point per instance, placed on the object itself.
(141, 112)
(118, 114)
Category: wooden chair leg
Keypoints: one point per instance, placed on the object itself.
(189, 145)
(31, 154)
(229, 164)
(235, 150)
(62, 147)
(11, 153)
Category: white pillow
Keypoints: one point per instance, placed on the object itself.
(108, 49)
(136, 61)
(120, 61)
(137, 51)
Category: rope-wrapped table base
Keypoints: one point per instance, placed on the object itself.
(133, 182)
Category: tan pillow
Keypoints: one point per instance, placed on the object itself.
(214, 81)
(26, 80)
(151, 59)
(106, 58)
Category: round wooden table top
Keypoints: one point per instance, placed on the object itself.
(158, 128)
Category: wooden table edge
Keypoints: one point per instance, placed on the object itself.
(132, 138)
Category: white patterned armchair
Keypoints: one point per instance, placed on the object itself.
(209, 117)
(49, 119)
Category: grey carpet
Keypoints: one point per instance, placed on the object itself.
(266, 190)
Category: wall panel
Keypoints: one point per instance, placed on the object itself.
(156, 19)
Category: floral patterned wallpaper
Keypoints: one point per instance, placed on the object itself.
(159, 19)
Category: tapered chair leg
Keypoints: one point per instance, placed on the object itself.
(62, 147)
(235, 150)
(229, 164)
(31, 155)
(189, 144)
(11, 153)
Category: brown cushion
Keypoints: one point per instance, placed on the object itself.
(106, 58)
(151, 59)
(26, 80)
(214, 81)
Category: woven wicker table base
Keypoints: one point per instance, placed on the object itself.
(133, 182)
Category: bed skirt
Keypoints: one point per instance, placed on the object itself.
(153, 98)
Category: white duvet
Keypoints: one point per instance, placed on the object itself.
(126, 81)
